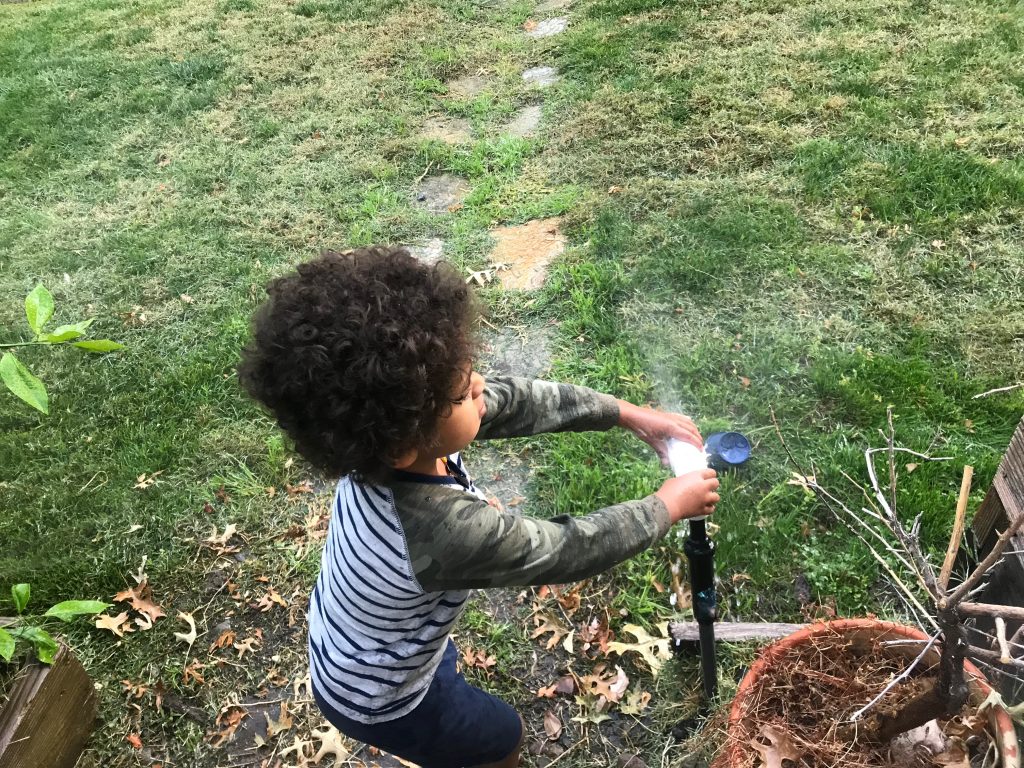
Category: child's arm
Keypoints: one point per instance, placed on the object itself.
(456, 541)
(518, 407)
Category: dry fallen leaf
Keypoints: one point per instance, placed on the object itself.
(226, 638)
(190, 636)
(246, 646)
(655, 650)
(548, 623)
(552, 725)
(134, 739)
(114, 623)
(331, 743)
(564, 685)
(281, 724)
(779, 747)
(635, 703)
(140, 598)
(268, 600)
(144, 481)
(192, 673)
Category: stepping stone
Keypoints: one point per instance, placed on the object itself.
(541, 77)
(525, 122)
(440, 194)
(547, 28)
(451, 130)
(429, 252)
(467, 87)
(526, 251)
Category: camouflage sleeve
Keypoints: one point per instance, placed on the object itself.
(457, 541)
(518, 407)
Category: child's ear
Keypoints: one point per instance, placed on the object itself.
(405, 459)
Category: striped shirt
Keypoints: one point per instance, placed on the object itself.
(400, 558)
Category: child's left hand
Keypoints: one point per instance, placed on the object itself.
(656, 427)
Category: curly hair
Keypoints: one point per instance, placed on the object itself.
(359, 354)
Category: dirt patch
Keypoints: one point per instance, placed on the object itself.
(547, 28)
(429, 252)
(468, 86)
(525, 122)
(541, 77)
(527, 250)
(451, 130)
(440, 194)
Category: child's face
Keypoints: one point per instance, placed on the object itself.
(457, 429)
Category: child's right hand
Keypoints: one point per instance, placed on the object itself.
(691, 495)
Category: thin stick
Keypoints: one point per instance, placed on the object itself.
(999, 389)
(991, 559)
(958, 528)
(902, 676)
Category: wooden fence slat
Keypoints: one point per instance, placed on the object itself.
(49, 716)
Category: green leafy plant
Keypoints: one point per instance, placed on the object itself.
(30, 630)
(38, 311)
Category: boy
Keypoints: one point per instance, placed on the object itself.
(365, 359)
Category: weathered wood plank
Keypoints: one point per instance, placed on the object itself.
(1005, 498)
(733, 631)
(49, 715)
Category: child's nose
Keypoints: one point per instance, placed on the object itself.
(477, 384)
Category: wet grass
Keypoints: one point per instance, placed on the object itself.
(810, 209)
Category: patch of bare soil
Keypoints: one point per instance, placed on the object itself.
(801, 712)
(527, 251)
(468, 86)
(451, 130)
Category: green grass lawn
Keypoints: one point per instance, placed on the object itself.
(809, 207)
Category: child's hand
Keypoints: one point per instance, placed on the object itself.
(691, 495)
(656, 427)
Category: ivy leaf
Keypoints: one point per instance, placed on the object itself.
(6, 645)
(66, 332)
(22, 383)
(21, 593)
(67, 610)
(38, 308)
(99, 346)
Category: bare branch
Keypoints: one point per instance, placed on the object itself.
(958, 528)
(983, 567)
(986, 655)
(990, 609)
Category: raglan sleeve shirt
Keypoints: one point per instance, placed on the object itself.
(456, 540)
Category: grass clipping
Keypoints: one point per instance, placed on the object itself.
(798, 713)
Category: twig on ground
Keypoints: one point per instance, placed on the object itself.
(998, 389)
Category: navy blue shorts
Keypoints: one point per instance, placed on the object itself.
(455, 726)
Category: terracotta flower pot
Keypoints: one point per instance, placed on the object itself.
(867, 631)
